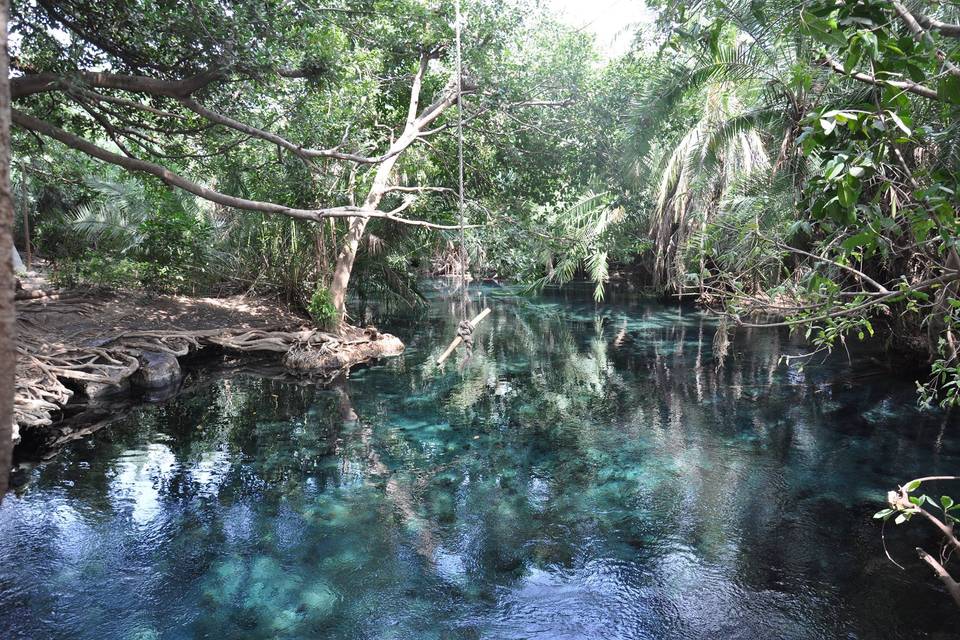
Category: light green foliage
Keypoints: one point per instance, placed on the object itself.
(579, 234)
(949, 510)
(95, 269)
(321, 308)
(154, 237)
(851, 224)
(352, 62)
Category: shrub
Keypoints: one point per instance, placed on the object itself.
(175, 247)
(321, 308)
(95, 269)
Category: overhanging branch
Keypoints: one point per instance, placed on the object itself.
(911, 87)
(45, 82)
(135, 164)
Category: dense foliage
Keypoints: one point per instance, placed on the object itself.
(810, 172)
(784, 161)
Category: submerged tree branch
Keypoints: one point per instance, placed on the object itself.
(953, 587)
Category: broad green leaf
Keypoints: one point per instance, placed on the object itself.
(900, 124)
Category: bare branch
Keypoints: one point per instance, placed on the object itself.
(399, 189)
(912, 87)
(922, 36)
(950, 30)
(953, 588)
(415, 89)
(860, 274)
(99, 97)
(543, 103)
(305, 153)
(948, 277)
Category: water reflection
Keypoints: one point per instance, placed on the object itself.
(588, 473)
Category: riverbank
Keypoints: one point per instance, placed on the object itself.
(94, 345)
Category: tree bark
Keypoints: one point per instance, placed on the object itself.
(413, 129)
(25, 207)
(344, 267)
(348, 253)
(8, 354)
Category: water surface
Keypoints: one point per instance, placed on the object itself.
(589, 473)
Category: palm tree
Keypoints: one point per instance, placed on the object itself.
(747, 110)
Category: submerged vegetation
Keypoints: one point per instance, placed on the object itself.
(781, 163)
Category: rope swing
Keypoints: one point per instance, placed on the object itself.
(460, 198)
(465, 327)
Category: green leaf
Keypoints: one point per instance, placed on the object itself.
(834, 169)
(862, 239)
(883, 513)
(946, 502)
(900, 124)
(848, 195)
(870, 42)
(852, 59)
(948, 87)
(900, 519)
(913, 485)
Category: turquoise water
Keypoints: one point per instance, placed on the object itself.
(589, 473)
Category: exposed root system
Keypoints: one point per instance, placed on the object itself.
(86, 343)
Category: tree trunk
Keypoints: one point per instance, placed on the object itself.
(344, 267)
(15, 257)
(25, 204)
(8, 354)
(348, 253)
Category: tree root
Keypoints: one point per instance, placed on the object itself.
(43, 369)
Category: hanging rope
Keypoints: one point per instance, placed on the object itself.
(464, 327)
(465, 332)
(463, 244)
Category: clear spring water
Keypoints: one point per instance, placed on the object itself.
(589, 474)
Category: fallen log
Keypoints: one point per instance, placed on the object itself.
(459, 339)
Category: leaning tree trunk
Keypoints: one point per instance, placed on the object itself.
(8, 354)
(413, 129)
(358, 225)
(344, 267)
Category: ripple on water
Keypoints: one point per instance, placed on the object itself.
(590, 473)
